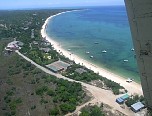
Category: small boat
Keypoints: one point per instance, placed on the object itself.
(96, 42)
(129, 80)
(69, 49)
(132, 49)
(87, 52)
(125, 60)
(104, 51)
(91, 56)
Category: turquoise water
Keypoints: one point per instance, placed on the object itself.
(106, 26)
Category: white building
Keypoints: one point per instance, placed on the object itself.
(15, 45)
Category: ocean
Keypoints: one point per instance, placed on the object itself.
(91, 31)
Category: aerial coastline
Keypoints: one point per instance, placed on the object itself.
(103, 72)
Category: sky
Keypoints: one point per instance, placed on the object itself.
(23, 4)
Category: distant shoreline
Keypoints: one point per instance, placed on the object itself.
(131, 87)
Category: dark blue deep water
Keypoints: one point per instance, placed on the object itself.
(106, 26)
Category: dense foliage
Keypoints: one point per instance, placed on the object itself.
(86, 76)
(89, 76)
(23, 82)
(149, 113)
(66, 94)
(16, 23)
(133, 99)
(115, 87)
(25, 88)
(19, 25)
(92, 111)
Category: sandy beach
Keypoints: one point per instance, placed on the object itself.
(133, 87)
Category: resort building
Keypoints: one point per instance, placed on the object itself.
(15, 45)
(137, 107)
(32, 33)
(58, 66)
(121, 99)
(45, 42)
(125, 97)
(46, 50)
(80, 70)
(25, 28)
(35, 43)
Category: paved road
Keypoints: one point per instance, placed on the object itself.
(99, 95)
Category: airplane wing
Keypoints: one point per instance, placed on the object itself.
(140, 19)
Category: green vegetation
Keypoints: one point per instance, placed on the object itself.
(12, 102)
(33, 107)
(66, 95)
(86, 76)
(92, 111)
(149, 112)
(115, 87)
(90, 76)
(41, 90)
(25, 86)
(54, 112)
(134, 99)
(34, 90)
(38, 56)
(19, 25)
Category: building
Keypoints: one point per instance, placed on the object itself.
(140, 19)
(25, 28)
(80, 70)
(32, 33)
(15, 45)
(58, 66)
(35, 43)
(119, 100)
(125, 97)
(46, 50)
(137, 107)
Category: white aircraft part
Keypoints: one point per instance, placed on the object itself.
(140, 18)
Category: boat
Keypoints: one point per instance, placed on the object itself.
(132, 49)
(125, 60)
(104, 51)
(129, 80)
(96, 42)
(91, 56)
(69, 49)
(87, 52)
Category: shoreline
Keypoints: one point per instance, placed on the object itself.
(132, 88)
